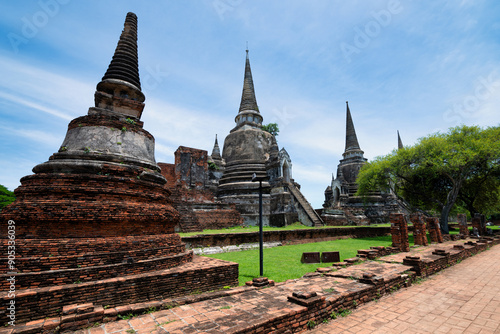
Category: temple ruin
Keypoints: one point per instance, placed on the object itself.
(216, 190)
(249, 150)
(342, 206)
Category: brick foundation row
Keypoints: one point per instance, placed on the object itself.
(441, 259)
(50, 262)
(203, 274)
(93, 273)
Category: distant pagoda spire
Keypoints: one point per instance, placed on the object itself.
(400, 142)
(124, 65)
(351, 140)
(248, 100)
(216, 151)
(120, 88)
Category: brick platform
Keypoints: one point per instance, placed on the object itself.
(203, 274)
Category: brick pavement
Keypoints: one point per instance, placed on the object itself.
(462, 299)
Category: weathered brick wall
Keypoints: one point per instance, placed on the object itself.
(432, 224)
(479, 222)
(47, 278)
(462, 223)
(85, 246)
(186, 181)
(419, 231)
(441, 259)
(399, 232)
(168, 172)
(218, 219)
(191, 167)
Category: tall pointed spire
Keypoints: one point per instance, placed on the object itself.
(400, 142)
(248, 100)
(351, 140)
(120, 88)
(248, 114)
(124, 65)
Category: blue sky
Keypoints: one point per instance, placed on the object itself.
(414, 66)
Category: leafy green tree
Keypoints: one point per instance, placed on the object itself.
(481, 192)
(272, 128)
(6, 197)
(431, 174)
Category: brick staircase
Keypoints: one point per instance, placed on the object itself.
(306, 206)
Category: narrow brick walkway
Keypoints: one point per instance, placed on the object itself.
(462, 299)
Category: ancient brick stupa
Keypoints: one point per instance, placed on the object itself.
(103, 181)
(249, 150)
(94, 224)
(246, 150)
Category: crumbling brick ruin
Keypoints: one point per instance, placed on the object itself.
(462, 224)
(432, 224)
(419, 230)
(399, 232)
(193, 193)
(479, 223)
(95, 223)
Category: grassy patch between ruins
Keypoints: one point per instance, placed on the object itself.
(283, 263)
(242, 229)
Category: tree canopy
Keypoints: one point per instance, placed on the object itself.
(6, 197)
(272, 128)
(462, 164)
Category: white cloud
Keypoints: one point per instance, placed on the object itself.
(25, 102)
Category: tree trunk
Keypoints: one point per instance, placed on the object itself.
(443, 220)
(450, 201)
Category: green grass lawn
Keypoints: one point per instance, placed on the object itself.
(242, 229)
(283, 263)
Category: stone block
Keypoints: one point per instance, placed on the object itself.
(310, 257)
(330, 257)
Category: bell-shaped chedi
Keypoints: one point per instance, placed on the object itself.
(246, 151)
(104, 180)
